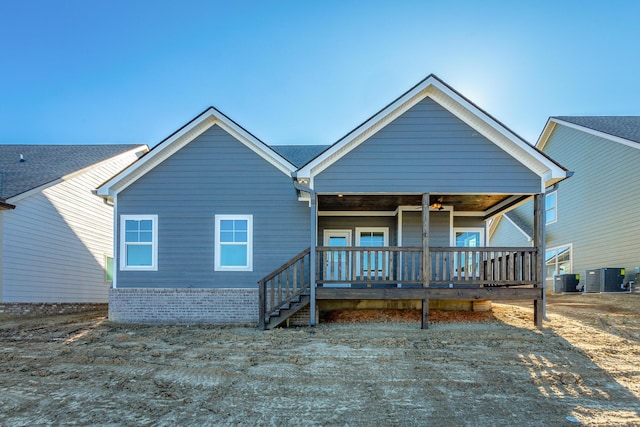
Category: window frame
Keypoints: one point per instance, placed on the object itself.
(218, 244)
(549, 278)
(554, 208)
(153, 243)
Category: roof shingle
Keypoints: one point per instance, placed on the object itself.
(627, 127)
(45, 163)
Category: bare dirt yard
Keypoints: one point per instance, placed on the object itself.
(581, 368)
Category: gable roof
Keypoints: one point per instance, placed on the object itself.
(25, 167)
(183, 136)
(436, 89)
(299, 154)
(622, 129)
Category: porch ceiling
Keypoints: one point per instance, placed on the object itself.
(390, 202)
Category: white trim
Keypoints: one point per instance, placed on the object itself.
(218, 244)
(357, 213)
(116, 251)
(183, 137)
(468, 213)
(342, 232)
(154, 243)
(326, 235)
(548, 129)
(384, 230)
(385, 242)
(570, 246)
(480, 230)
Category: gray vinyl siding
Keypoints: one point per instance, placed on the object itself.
(214, 174)
(439, 229)
(468, 221)
(427, 149)
(506, 234)
(598, 208)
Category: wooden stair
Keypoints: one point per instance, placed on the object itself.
(286, 310)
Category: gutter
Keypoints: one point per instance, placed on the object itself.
(6, 206)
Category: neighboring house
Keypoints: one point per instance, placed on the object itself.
(56, 237)
(381, 215)
(592, 219)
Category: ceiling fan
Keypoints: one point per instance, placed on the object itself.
(439, 203)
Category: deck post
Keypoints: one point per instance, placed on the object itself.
(426, 259)
(312, 258)
(539, 220)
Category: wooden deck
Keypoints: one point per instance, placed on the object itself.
(397, 273)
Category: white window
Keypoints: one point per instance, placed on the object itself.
(551, 206)
(558, 260)
(234, 243)
(373, 236)
(139, 242)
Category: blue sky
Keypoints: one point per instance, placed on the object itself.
(302, 72)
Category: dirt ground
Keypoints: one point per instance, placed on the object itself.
(489, 369)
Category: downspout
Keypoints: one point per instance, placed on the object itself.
(312, 248)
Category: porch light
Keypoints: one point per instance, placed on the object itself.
(436, 205)
(340, 196)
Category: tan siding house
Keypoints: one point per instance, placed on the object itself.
(593, 219)
(56, 243)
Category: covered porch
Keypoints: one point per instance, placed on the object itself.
(406, 247)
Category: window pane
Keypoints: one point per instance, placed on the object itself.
(468, 239)
(139, 255)
(131, 236)
(233, 255)
(226, 225)
(146, 236)
(108, 270)
(551, 215)
(240, 224)
(240, 236)
(550, 200)
(146, 225)
(131, 225)
(226, 236)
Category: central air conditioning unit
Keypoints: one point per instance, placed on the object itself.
(605, 280)
(564, 283)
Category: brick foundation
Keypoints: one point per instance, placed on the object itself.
(184, 306)
(37, 309)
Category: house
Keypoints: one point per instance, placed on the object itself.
(213, 225)
(56, 237)
(591, 220)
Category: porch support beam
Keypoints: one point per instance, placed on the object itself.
(489, 293)
(426, 259)
(312, 257)
(539, 221)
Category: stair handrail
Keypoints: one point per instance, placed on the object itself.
(272, 297)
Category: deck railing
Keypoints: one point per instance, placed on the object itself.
(394, 265)
(285, 283)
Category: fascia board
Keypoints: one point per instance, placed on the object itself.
(542, 142)
(184, 136)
